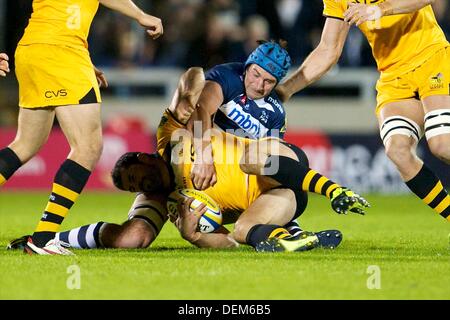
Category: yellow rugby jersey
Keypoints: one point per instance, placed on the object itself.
(234, 191)
(60, 22)
(399, 42)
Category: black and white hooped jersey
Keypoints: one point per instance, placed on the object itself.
(250, 118)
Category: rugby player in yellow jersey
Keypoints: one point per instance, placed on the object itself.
(57, 79)
(413, 57)
(260, 191)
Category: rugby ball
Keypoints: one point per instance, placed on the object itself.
(210, 221)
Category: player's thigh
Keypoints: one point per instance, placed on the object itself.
(408, 108)
(271, 146)
(276, 206)
(401, 122)
(81, 124)
(34, 126)
(432, 103)
(256, 154)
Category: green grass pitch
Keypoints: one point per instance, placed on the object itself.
(403, 238)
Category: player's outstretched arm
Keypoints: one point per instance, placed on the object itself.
(360, 13)
(187, 223)
(129, 8)
(4, 65)
(320, 60)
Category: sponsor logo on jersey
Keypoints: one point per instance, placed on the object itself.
(276, 104)
(437, 82)
(245, 121)
(50, 94)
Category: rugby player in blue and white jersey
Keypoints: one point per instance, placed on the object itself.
(240, 98)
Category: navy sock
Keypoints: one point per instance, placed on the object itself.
(9, 163)
(85, 237)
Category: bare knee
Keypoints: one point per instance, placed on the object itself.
(400, 150)
(240, 231)
(87, 154)
(95, 150)
(440, 147)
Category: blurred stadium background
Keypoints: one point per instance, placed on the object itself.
(333, 120)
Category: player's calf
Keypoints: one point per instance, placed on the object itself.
(427, 186)
(133, 234)
(440, 147)
(292, 174)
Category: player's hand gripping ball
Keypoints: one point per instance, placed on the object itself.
(210, 221)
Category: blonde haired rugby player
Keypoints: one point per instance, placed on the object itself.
(413, 57)
(57, 79)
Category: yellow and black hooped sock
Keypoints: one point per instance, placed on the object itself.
(261, 232)
(294, 175)
(9, 163)
(69, 182)
(427, 186)
(317, 183)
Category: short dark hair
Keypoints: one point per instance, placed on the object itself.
(124, 162)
